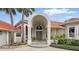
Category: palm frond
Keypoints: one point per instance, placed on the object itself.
(33, 9)
(26, 11)
(13, 11)
(19, 10)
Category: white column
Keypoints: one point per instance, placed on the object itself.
(29, 34)
(7, 38)
(14, 37)
(67, 33)
(25, 33)
(48, 34)
(76, 32)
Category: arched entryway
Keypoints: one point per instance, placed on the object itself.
(38, 29)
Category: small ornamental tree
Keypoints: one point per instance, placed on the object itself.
(62, 39)
(55, 38)
(58, 39)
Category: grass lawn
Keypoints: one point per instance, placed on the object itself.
(64, 46)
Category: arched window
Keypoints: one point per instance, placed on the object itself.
(39, 27)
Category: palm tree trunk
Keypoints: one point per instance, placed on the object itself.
(12, 32)
(22, 26)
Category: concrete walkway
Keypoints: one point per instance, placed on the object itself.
(28, 48)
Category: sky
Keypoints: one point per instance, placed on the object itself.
(54, 14)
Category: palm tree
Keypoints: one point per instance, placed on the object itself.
(10, 12)
(25, 12)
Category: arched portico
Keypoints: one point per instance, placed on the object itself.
(38, 28)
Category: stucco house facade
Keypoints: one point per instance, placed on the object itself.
(57, 28)
(5, 33)
(38, 27)
(72, 28)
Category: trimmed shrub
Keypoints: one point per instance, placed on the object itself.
(55, 38)
(64, 46)
(62, 41)
(75, 43)
(59, 39)
(69, 42)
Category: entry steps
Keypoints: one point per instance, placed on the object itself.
(39, 44)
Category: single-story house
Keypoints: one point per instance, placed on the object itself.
(38, 27)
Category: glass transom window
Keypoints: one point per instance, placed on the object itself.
(39, 27)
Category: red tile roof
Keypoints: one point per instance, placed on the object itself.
(18, 23)
(56, 24)
(5, 25)
(72, 20)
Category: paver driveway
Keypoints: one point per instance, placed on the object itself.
(27, 48)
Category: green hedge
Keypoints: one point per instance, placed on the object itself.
(62, 41)
(60, 38)
(64, 46)
(69, 42)
(75, 43)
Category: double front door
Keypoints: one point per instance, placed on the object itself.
(39, 35)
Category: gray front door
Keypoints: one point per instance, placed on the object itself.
(39, 35)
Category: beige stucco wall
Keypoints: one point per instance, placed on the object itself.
(17, 39)
(3, 38)
(57, 31)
